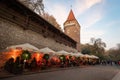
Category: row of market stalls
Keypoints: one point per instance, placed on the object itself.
(49, 51)
(45, 55)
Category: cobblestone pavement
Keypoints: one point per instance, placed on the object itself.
(84, 73)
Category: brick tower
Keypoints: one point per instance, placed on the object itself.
(72, 28)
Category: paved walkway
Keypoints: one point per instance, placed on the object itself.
(81, 73)
(117, 76)
(5, 74)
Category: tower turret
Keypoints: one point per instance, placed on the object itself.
(72, 28)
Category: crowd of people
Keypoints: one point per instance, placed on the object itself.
(109, 62)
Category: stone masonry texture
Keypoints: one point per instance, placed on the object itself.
(13, 34)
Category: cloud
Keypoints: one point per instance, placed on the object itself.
(81, 6)
(91, 18)
(89, 11)
(60, 11)
(112, 23)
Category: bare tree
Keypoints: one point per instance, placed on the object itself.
(38, 7)
(98, 47)
(52, 20)
(35, 5)
(114, 53)
(98, 43)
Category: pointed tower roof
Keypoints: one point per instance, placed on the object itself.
(71, 16)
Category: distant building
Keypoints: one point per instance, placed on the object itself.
(72, 28)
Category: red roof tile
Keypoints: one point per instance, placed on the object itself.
(71, 16)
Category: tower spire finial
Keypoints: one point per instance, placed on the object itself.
(70, 3)
(71, 6)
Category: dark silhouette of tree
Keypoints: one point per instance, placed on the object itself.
(114, 53)
(98, 46)
(85, 51)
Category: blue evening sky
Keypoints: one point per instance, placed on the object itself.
(97, 18)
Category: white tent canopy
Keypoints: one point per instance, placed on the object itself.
(80, 54)
(25, 46)
(93, 56)
(77, 54)
(90, 56)
(86, 55)
(62, 52)
(46, 50)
